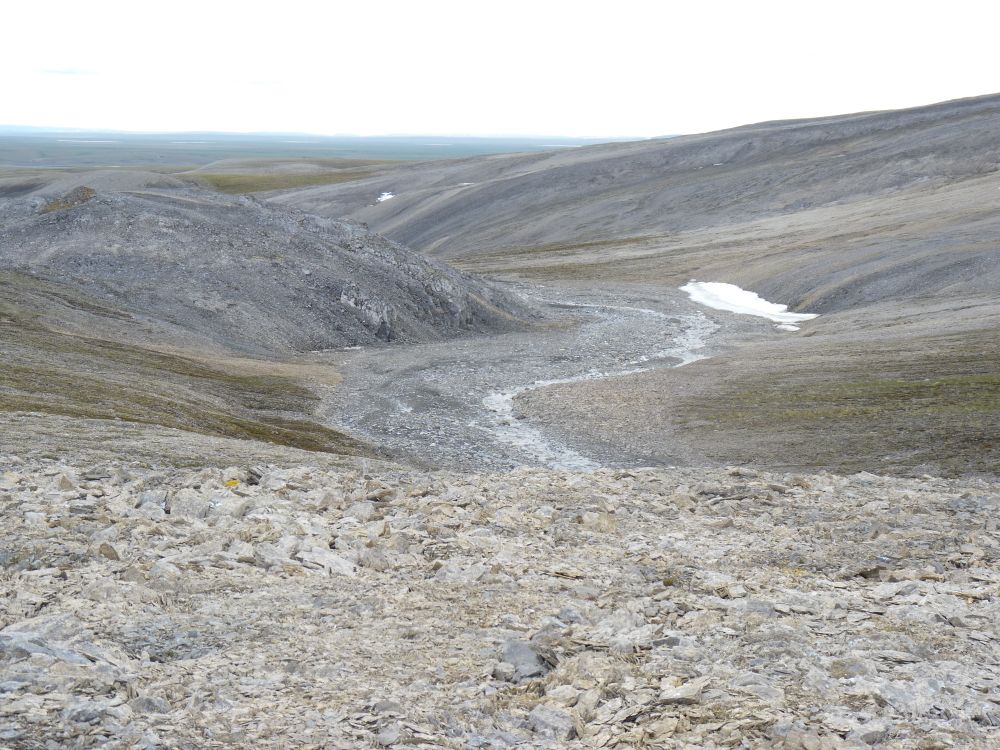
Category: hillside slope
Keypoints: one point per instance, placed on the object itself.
(236, 273)
(923, 182)
(141, 314)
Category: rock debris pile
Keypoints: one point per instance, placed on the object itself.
(241, 273)
(304, 607)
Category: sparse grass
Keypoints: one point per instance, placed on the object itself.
(74, 198)
(258, 182)
(954, 395)
(271, 164)
(562, 260)
(939, 407)
(54, 372)
(569, 270)
(569, 248)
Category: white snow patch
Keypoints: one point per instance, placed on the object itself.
(385, 196)
(729, 297)
(336, 349)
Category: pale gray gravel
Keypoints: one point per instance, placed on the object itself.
(453, 405)
(316, 608)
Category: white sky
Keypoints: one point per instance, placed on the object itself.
(542, 67)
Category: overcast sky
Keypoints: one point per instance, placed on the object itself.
(616, 68)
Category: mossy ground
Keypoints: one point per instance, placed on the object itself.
(262, 175)
(933, 404)
(258, 182)
(556, 260)
(52, 371)
(75, 198)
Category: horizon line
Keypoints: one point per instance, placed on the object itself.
(118, 131)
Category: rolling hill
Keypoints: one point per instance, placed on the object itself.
(832, 213)
(135, 304)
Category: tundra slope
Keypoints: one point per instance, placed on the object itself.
(548, 209)
(132, 301)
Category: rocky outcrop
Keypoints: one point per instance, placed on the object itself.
(242, 274)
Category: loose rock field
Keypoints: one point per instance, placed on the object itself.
(308, 607)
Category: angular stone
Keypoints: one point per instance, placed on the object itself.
(327, 561)
(552, 722)
(527, 663)
(149, 704)
(363, 511)
(686, 694)
(872, 732)
(564, 695)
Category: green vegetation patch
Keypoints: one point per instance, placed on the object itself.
(258, 182)
(272, 163)
(568, 248)
(75, 197)
(562, 260)
(55, 372)
(935, 406)
(570, 269)
(954, 395)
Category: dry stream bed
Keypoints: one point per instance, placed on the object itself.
(452, 404)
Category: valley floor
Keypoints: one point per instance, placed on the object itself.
(318, 608)
(638, 375)
(454, 404)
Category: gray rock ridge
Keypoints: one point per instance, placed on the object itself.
(305, 606)
(242, 274)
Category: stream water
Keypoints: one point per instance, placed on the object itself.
(531, 441)
(451, 405)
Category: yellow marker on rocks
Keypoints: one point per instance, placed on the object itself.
(233, 483)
